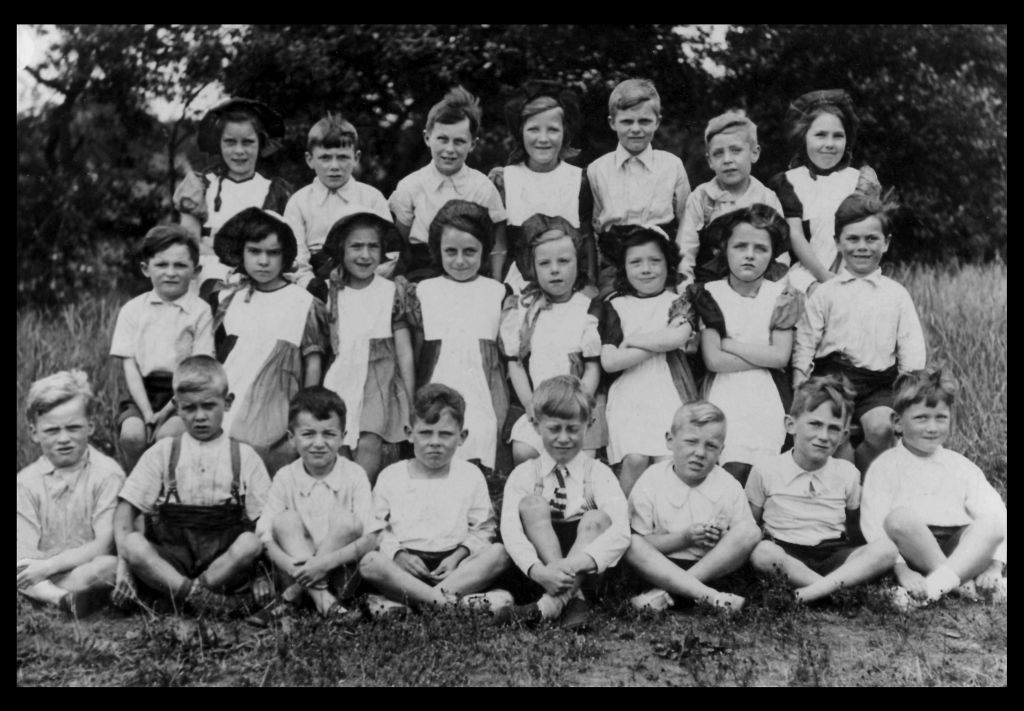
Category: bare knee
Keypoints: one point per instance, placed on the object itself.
(595, 521)
(635, 462)
(746, 535)
(533, 507)
(372, 564)
(992, 527)
(286, 523)
(767, 557)
(133, 434)
(345, 527)
(497, 554)
(247, 547)
(134, 548)
(901, 522)
(877, 427)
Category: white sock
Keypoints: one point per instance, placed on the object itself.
(941, 581)
(551, 606)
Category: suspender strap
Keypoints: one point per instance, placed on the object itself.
(236, 469)
(171, 485)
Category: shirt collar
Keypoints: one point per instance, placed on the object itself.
(645, 157)
(45, 466)
(186, 302)
(938, 456)
(305, 483)
(457, 179)
(874, 277)
(679, 491)
(792, 470)
(574, 466)
(321, 192)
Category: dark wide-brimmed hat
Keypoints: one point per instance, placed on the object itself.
(334, 243)
(254, 224)
(212, 125)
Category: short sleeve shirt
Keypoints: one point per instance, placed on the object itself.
(420, 195)
(160, 334)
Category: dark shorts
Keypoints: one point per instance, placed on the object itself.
(822, 558)
(432, 559)
(948, 537)
(871, 388)
(192, 537)
(159, 392)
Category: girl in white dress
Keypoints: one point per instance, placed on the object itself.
(542, 118)
(743, 344)
(455, 319)
(237, 132)
(548, 329)
(373, 369)
(269, 333)
(645, 330)
(823, 130)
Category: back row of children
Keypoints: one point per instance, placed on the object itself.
(194, 517)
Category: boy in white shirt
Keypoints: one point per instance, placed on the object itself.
(201, 494)
(66, 501)
(563, 514)
(435, 519)
(318, 519)
(947, 520)
(691, 521)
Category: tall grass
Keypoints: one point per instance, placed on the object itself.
(963, 310)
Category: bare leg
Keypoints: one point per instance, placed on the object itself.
(732, 551)
(535, 513)
(232, 564)
(878, 437)
(476, 573)
(633, 465)
(132, 439)
(768, 557)
(658, 570)
(146, 563)
(922, 552)
(398, 584)
(368, 454)
(865, 563)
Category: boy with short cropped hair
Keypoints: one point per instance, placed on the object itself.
(201, 494)
(732, 150)
(809, 502)
(634, 184)
(332, 151)
(563, 516)
(154, 332)
(691, 522)
(66, 501)
(861, 325)
(947, 520)
(318, 519)
(453, 125)
(435, 519)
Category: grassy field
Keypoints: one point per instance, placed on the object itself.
(856, 640)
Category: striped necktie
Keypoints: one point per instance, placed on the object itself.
(558, 503)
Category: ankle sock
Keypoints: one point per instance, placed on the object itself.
(551, 606)
(941, 581)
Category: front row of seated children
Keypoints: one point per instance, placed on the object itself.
(425, 536)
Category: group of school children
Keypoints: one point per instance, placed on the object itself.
(687, 336)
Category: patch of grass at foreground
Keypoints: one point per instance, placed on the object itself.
(855, 641)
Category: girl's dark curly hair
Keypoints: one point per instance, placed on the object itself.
(254, 225)
(626, 236)
(759, 216)
(467, 217)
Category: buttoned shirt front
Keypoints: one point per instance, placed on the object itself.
(419, 195)
(944, 489)
(606, 549)
(871, 320)
(804, 507)
(203, 475)
(345, 490)
(661, 502)
(313, 210)
(60, 510)
(648, 188)
(159, 334)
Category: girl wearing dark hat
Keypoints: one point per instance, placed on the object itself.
(373, 368)
(269, 333)
(542, 120)
(823, 130)
(236, 133)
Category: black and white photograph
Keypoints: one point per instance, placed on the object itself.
(501, 355)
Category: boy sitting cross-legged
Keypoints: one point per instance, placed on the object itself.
(317, 522)
(809, 501)
(436, 519)
(201, 494)
(947, 520)
(691, 521)
(563, 515)
(66, 501)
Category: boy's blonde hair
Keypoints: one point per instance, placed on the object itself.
(457, 104)
(57, 389)
(332, 131)
(632, 92)
(198, 373)
(562, 396)
(696, 413)
(734, 121)
(930, 386)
